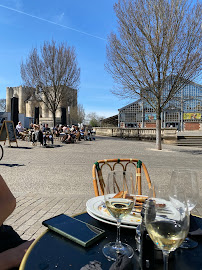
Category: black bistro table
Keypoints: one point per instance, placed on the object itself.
(52, 251)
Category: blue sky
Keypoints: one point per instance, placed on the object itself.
(27, 24)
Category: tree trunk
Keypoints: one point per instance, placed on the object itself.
(158, 130)
(54, 120)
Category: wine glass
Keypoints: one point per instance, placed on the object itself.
(186, 181)
(119, 196)
(166, 221)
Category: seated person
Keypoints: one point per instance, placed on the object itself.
(87, 135)
(47, 134)
(31, 126)
(82, 131)
(73, 129)
(20, 130)
(68, 137)
(73, 133)
(77, 133)
(56, 131)
(92, 134)
(12, 247)
(65, 129)
(60, 128)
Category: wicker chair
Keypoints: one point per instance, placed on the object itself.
(124, 164)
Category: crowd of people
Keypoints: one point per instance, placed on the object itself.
(43, 133)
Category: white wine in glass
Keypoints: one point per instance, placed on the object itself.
(166, 222)
(119, 196)
(185, 181)
(119, 208)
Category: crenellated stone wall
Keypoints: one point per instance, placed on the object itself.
(27, 104)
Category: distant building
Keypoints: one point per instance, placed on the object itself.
(184, 111)
(110, 121)
(27, 105)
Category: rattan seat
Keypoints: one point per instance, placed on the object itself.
(119, 164)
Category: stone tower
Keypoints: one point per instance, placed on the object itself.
(27, 104)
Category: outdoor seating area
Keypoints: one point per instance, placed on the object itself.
(105, 211)
(44, 135)
(101, 135)
(69, 195)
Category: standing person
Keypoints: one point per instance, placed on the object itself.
(35, 134)
(40, 137)
(12, 247)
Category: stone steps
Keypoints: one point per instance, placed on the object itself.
(189, 141)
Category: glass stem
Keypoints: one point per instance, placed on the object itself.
(165, 260)
(118, 241)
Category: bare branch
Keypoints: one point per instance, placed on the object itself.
(157, 42)
(52, 73)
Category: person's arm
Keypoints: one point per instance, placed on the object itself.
(7, 201)
(13, 257)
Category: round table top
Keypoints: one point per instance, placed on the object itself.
(53, 251)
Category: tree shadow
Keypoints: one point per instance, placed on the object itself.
(12, 165)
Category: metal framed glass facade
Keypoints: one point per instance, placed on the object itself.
(186, 106)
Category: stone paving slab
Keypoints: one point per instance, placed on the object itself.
(32, 210)
(47, 182)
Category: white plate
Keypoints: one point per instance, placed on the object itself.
(97, 207)
(110, 222)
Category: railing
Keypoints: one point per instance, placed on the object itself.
(136, 133)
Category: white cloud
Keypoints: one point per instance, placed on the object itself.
(18, 4)
(59, 18)
(14, 3)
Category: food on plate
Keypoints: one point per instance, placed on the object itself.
(121, 194)
(141, 198)
(138, 209)
(160, 205)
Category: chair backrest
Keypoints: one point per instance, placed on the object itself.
(113, 164)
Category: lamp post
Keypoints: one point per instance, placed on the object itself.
(68, 111)
(142, 114)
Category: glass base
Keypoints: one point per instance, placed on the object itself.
(111, 251)
(188, 243)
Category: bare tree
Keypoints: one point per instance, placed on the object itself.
(94, 119)
(77, 114)
(156, 52)
(2, 104)
(52, 73)
(80, 113)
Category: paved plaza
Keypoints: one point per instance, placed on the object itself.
(50, 181)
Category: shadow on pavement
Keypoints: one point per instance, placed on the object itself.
(12, 165)
(193, 152)
(52, 146)
(20, 147)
